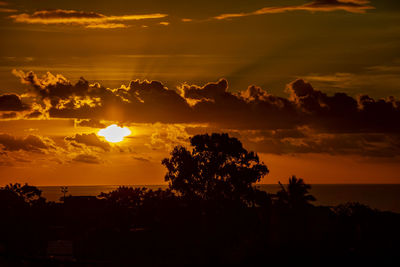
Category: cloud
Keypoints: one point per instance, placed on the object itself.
(352, 6)
(10, 115)
(87, 158)
(141, 101)
(308, 141)
(90, 123)
(89, 140)
(34, 115)
(253, 108)
(137, 158)
(343, 113)
(213, 104)
(368, 78)
(30, 143)
(11, 102)
(83, 18)
(6, 10)
(106, 26)
(80, 147)
(167, 136)
(306, 120)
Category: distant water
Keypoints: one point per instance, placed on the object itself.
(382, 197)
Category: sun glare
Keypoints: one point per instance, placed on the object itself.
(114, 133)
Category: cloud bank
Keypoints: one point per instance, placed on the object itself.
(305, 121)
(250, 109)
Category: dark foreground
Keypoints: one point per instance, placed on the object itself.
(142, 227)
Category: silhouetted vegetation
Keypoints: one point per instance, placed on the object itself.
(295, 194)
(211, 213)
(218, 169)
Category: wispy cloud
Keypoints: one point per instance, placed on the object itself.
(106, 26)
(87, 19)
(6, 10)
(352, 6)
(364, 79)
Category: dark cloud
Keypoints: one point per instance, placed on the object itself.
(140, 159)
(343, 113)
(140, 102)
(253, 108)
(304, 140)
(337, 144)
(213, 103)
(210, 91)
(30, 143)
(34, 115)
(306, 121)
(89, 140)
(87, 158)
(10, 115)
(90, 123)
(54, 86)
(11, 102)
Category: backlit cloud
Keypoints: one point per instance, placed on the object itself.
(30, 143)
(352, 6)
(213, 103)
(305, 121)
(89, 140)
(87, 19)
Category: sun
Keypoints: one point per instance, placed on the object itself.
(114, 133)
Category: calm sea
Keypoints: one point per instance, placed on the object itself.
(383, 197)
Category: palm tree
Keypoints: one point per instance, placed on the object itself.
(296, 193)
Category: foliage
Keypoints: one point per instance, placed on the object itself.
(218, 168)
(24, 193)
(130, 197)
(296, 193)
(353, 209)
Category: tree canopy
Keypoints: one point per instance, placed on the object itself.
(217, 168)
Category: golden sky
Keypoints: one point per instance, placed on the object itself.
(311, 86)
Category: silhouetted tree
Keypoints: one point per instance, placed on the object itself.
(125, 196)
(131, 197)
(26, 193)
(296, 193)
(218, 168)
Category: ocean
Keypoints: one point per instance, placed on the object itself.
(385, 197)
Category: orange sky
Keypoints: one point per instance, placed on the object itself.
(311, 86)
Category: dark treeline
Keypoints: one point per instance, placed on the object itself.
(211, 213)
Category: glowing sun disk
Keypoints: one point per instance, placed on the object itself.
(114, 133)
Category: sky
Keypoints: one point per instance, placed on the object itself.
(312, 86)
